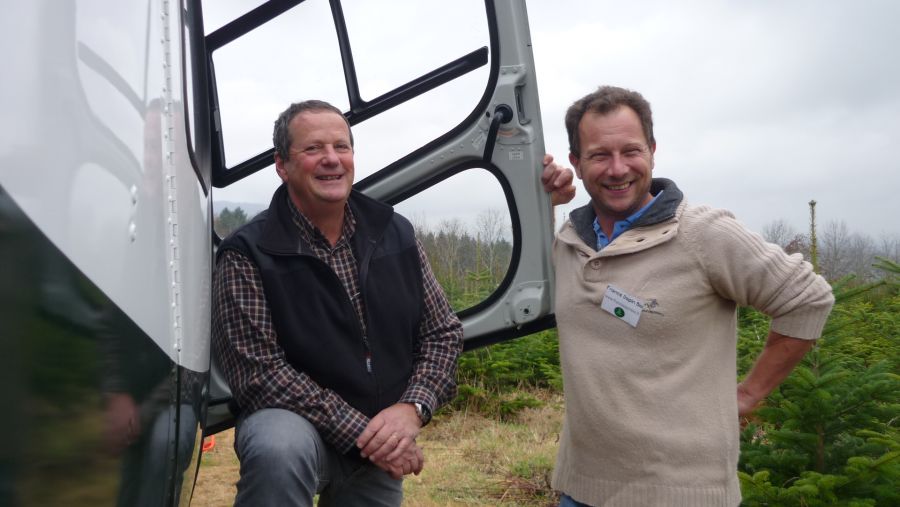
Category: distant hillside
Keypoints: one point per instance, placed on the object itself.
(250, 208)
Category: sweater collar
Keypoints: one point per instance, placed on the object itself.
(661, 210)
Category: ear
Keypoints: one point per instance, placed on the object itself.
(652, 156)
(280, 168)
(574, 161)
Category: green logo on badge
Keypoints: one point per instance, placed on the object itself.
(619, 312)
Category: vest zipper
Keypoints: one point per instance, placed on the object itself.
(367, 350)
(363, 275)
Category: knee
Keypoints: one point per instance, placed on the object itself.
(281, 458)
(278, 438)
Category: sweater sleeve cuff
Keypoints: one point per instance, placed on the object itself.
(806, 323)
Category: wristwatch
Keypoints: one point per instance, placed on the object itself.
(423, 412)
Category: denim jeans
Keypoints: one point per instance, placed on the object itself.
(567, 501)
(284, 461)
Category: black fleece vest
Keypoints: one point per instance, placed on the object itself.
(313, 315)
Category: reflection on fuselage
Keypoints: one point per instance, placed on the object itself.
(96, 413)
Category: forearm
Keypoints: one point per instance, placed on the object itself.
(776, 361)
(433, 379)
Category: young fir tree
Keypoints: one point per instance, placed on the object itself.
(830, 434)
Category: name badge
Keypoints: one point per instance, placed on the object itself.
(621, 305)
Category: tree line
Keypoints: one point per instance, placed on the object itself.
(228, 220)
(840, 251)
(469, 260)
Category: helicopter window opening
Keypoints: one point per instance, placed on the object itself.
(398, 52)
(414, 123)
(218, 13)
(413, 51)
(469, 241)
(293, 57)
(297, 56)
(259, 73)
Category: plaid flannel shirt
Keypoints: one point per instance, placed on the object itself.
(255, 366)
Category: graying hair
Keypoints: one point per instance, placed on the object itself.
(281, 135)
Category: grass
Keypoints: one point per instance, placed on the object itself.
(470, 460)
(218, 474)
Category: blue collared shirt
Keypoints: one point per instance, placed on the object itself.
(620, 226)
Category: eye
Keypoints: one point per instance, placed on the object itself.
(342, 147)
(635, 151)
(313, 148)
(599, 156)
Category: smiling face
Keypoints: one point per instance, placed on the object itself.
(615, 164)
(319, 170)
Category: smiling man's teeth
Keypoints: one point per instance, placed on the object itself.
(623, 186)
(329, 178)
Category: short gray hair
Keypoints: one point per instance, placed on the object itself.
(281, 135)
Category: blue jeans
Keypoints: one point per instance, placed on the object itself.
(284, 461)
(567, 501)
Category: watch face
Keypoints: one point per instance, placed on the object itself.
(423, 412)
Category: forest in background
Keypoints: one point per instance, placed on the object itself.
(829, 435)
(480, 252)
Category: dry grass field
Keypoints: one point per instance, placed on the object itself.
(470, 460)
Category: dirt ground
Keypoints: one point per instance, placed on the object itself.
(470, 460)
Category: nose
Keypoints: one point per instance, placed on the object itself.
(330, 156)
(617, 166)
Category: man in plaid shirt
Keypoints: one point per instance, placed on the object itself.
(334, 336)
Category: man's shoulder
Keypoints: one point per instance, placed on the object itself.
(693, 217)
(401, 231)
(711, 232)
(402, 222)
(373, 213)
(241, 238)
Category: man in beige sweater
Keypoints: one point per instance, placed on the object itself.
(647, 288)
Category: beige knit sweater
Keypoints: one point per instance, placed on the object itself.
(651, 411)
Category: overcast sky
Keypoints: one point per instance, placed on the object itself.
(758, 106)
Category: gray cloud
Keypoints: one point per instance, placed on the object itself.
(759, 106)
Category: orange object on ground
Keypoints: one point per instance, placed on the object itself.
(208, 443)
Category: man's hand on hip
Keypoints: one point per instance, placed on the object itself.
(779, 356)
